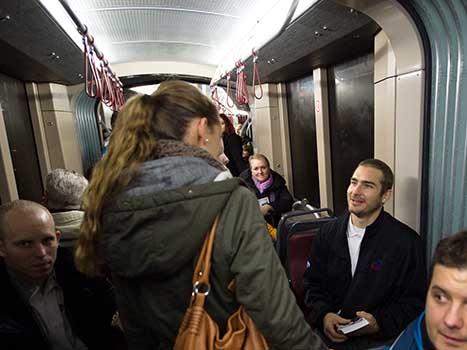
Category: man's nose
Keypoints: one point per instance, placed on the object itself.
(41, 250)
(454, 317)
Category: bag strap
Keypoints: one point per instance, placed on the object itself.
(201, 284)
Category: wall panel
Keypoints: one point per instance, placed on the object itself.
(302, 131)
(18, 126)
(351, 110)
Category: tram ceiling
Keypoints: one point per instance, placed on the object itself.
(33, 47)
(172, 31)
(327, 34)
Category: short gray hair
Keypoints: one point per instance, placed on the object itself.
(65, 189)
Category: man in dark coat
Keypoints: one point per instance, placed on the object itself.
(365, 264)
(44, 302)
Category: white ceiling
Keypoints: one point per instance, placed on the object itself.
(170, 30)
(205, 32)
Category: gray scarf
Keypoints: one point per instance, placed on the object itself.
(174, 148)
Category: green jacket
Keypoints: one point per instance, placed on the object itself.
(151, 239)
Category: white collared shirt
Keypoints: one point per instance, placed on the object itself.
(354, 239)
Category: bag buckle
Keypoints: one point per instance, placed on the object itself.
(201, 288)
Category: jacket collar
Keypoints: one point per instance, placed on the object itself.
(371, 229)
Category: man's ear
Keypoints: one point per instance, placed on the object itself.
(387, 195)
(58, 234)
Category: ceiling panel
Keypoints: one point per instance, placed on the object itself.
(195, 24)
(166, 52)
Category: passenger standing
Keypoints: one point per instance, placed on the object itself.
(274, 198)
(232, 147)
(64, 191)
(366, 264)
(149, 206)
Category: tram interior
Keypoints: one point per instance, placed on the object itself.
(315, 85)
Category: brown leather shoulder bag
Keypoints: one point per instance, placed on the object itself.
(198, 331)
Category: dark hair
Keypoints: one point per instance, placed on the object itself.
(229, 128)
(451, 252)
(388, 177)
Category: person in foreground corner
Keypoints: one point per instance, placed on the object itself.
(151, 201)
(443, 325)
(45, 304)
(365, 264)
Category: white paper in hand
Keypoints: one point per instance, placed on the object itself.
(353, 326)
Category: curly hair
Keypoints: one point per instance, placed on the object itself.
(64, 189)
(141, 123)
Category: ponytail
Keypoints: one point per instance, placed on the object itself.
(130, 145)
(143, 120)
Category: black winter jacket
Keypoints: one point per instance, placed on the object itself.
(389, 281)
(279, 196)
(233, 150)
(89, 305)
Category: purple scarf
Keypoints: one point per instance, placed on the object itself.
(262, 186)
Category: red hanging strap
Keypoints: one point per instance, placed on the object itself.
(215, 96)
(91, 72)
(108, 88)
(242, 91)
(229, 101)
(120, 98)
(256, 77)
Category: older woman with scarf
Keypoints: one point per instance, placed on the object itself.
(270, 189)
(151, 201)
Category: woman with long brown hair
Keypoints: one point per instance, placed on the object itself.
(151, 201)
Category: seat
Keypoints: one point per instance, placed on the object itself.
(295, 234)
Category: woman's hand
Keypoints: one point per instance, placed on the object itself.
(266, 209)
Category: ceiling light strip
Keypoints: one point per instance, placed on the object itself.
(133, 42)
(157, 8)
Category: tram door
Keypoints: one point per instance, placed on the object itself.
(302, 129)
(14, 104)
(351, 121)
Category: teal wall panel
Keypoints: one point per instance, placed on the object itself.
(445, 22)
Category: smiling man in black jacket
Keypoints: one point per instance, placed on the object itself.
(365, 264)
